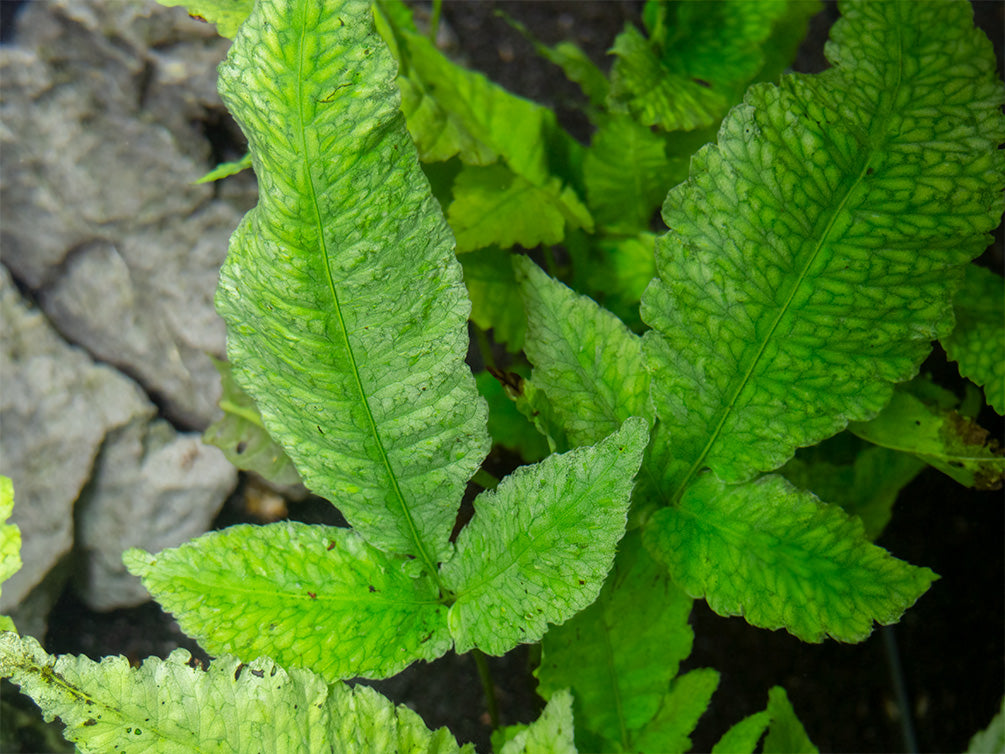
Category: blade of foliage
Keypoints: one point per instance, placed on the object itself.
(627, 174)
(686, 701)
(508, 427)
(977, 343)
(743, 737)
(942, 438)
(614, 271)
(865, 485)
(346, 265)
(619, 655)
(781, 558)
(992, 738)
(694, 65)
(170, 706)
(494, 206)
(454, 111)
(495, 296)
(317, 597)
(541, 543)
(226, 15)
(551, 733)
(786, 734)
(584, 358)
(226, 169)
(10, 542)
(242, 436)
(812, 254)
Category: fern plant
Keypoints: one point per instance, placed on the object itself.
(811, 258)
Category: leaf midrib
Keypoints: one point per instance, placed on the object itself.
(725, 413)
(420, 545)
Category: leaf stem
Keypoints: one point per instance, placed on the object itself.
(488, 687)
(434, 21)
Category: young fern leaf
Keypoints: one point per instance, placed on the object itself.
(977, 342)
(316, 597)
(786, 734)
(170, 707)
(813, 253)
(345, 307)
(541, 543)
(781, 558)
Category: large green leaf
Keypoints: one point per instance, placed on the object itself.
(781, 558)
(344, 302)
(977, 342)
(173, 707)
(316, 597)
(619, 655)
(541, 543)
(813, 253)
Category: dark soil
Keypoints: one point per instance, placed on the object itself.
(950, 645)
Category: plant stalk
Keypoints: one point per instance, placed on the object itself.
(487, 686)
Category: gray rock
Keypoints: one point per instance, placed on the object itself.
(55, 408)
(104, 110)
(153, 488)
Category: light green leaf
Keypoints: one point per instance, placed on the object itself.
(626, 171)
(551, 733)
(226, 169)
(242, 436)
(953, 444)
(865, 485)
(344, 301)
(682, 706)
(541, 543)
(694, 65)
(742, 737)
(991, 740)
(316, 597)
(781, 558)
(495, 296)
(10, 542)
(226, 15)
(619, 655)
(170, 707)
(585, 359)
(494, 206)
(786, 734)
(978, 341)
(814, 251)
(614, 271)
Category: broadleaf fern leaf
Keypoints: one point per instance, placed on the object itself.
(344, 302)
(813, 253)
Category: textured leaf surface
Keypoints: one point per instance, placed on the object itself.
(170, 707)
(10, 542)
(585, 359)
(242, 436)
(316, 597)
(551, 733)
(781, 558)
(686, 701)
(813, 252)
(619, 655)
(942, 438)
(227, 15)
(695, 63)
(494, 206)
(977, 342)
(627, 174)
(541, 543)
(344, 302)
